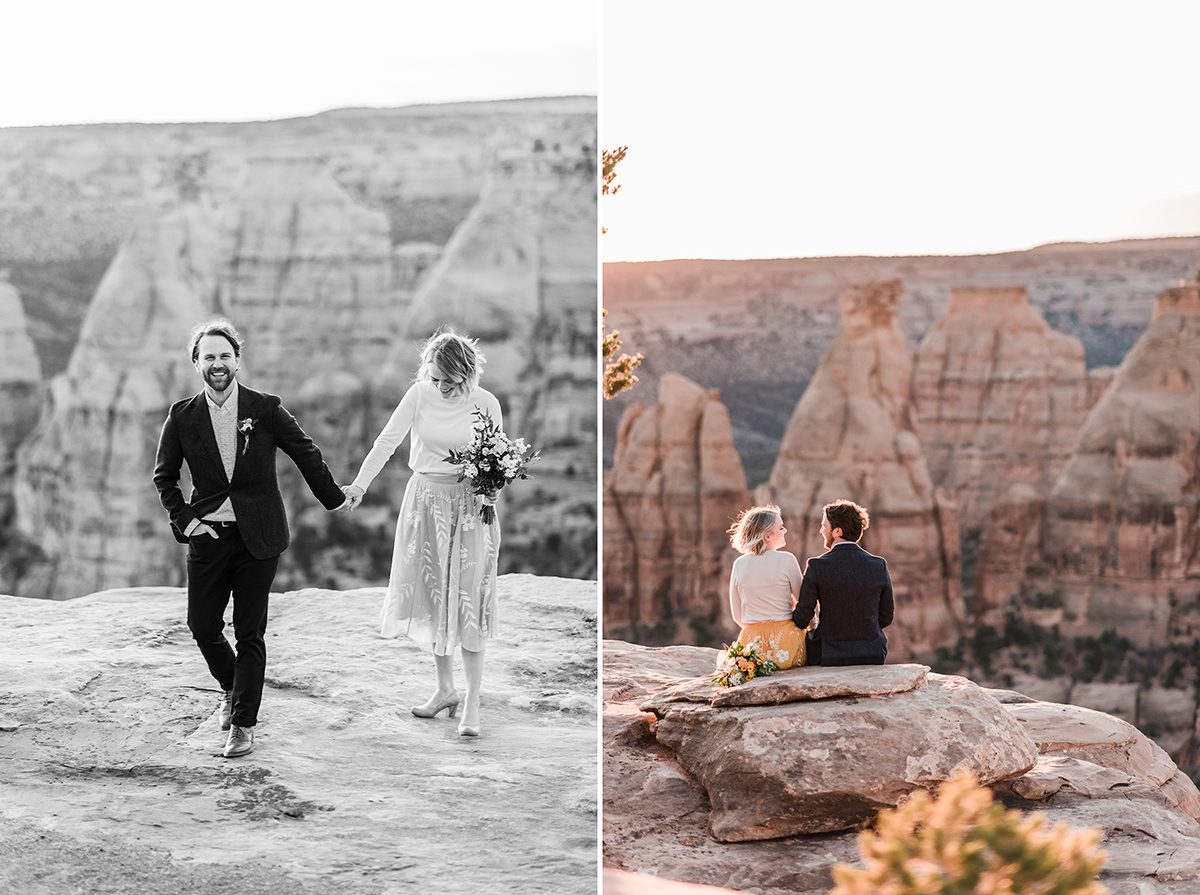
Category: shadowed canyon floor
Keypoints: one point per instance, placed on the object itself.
(111, 778)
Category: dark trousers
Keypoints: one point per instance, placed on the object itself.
(217, 569)
(847, 652)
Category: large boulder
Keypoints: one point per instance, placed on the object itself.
(1146, 835)
(830, 764)
(1101, 739)
(657, 812)
(656, 815)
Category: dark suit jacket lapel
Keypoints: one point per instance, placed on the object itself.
(202, 420)
(245, 410)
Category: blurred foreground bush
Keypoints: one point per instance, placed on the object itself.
(963, 843)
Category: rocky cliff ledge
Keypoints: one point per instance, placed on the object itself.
(110, 777)
(760, 788)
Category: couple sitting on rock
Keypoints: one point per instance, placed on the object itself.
(777, 606)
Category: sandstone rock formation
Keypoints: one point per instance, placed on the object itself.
(519, 275)
(766, 769)
(675, 487)
(1077, 732)
(306, 274)
(1092, 771)
(83, 485)
(852, 436)
(620, 882)
(746, 326)
(998, 398)
(20, 379)
(113, 780)
(327, 229)
(1117, 538)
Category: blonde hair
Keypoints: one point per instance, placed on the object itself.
(751, 526)
(455, 355)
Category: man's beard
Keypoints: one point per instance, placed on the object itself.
(828, 541)
(211, 380)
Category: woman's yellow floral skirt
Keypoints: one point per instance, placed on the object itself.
(782, 642)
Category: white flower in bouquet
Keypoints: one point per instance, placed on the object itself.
(491, 461)
(742, 662)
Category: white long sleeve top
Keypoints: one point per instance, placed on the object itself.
(436, 425)
(764, 588)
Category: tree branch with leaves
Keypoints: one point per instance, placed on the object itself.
(618, 369)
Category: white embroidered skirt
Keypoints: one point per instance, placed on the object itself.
(442, 589)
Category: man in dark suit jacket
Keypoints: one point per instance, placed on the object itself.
(234, 523)
(854, 590)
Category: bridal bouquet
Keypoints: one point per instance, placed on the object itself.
(491, 461)
(742, 662)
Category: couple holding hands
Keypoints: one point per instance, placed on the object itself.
(442, 586)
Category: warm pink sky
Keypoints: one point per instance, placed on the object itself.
(790, 129)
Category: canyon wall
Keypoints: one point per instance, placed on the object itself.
(675, 488)
(20, 382)
(851, 436)
(1116, 540)
(83, 489)
(998, 398)
(323, 235)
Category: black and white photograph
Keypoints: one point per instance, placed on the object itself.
(298, 448)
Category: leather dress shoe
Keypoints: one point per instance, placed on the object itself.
(226, 709)
(240, 742)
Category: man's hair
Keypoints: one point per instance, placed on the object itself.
(852, 519)
(218, 327)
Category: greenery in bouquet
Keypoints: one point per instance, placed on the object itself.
(742, 662)
(491, 461)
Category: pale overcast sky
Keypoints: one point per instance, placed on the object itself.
(789, 129)
(137, 60)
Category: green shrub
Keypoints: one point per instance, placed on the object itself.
(963, 843)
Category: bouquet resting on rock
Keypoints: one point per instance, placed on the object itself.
(491, 461)
(742, 662)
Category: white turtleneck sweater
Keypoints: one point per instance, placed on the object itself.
(437, 426)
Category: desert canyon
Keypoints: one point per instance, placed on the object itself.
(336, 243)
(1024, 428)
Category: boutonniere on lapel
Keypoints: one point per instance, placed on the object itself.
(246, 426)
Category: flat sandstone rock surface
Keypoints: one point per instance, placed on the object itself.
(796, 685)
(111, 778)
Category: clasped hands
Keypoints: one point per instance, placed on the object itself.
(354, 496)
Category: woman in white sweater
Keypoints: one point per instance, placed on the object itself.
(764, 586)
(442, 588)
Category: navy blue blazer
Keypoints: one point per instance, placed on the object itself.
(854, 589)
(253, 489)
